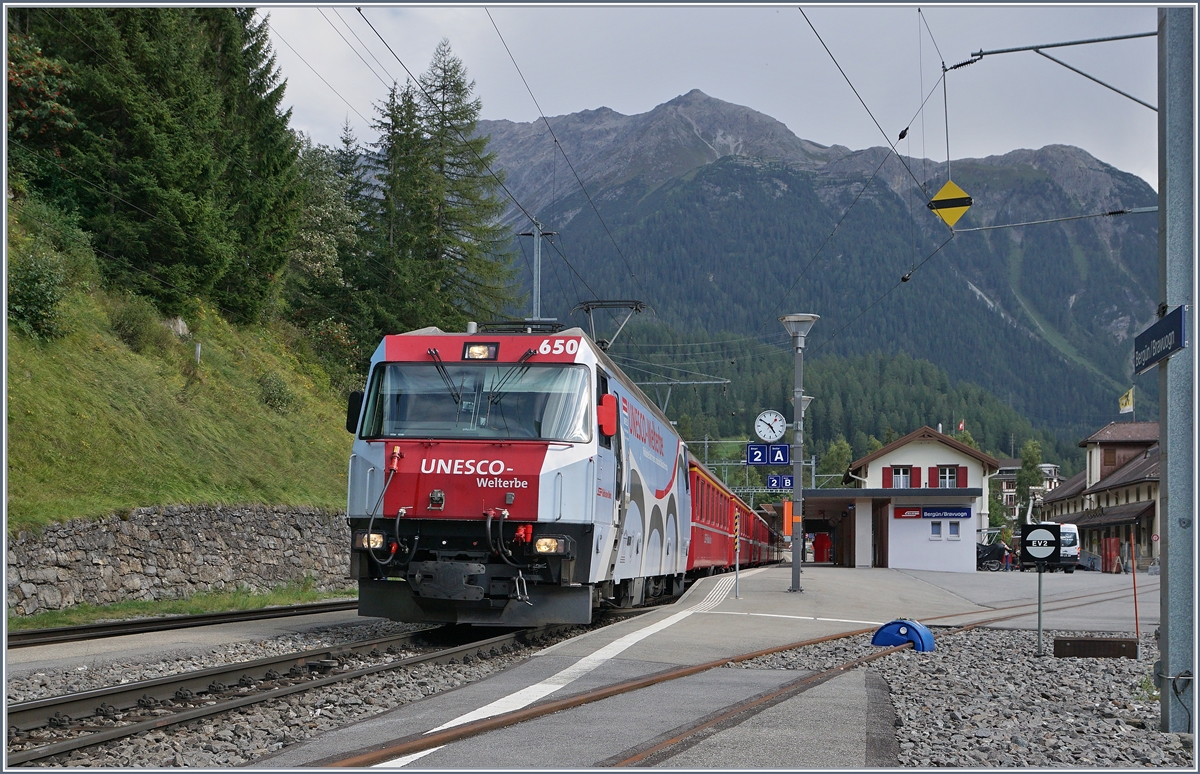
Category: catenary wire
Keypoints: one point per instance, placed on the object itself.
(582, 187)
(363, 44)
(886, 137)
(1109, 214)
(788, 292)
(322, 77)
(352, 48)
(417, 83)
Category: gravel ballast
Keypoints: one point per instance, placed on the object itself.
(983, 698)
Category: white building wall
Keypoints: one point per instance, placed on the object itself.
(911, 547)
(925, 454)
(862, 533)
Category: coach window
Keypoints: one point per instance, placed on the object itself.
(953, 531)
(935, 530)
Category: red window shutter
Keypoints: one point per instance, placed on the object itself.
(916, 477)
(887, 478)
(962, 477)
(933, 478)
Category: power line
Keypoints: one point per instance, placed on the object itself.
(322, 77)
(429, 97)
(788, 292)
(364, 45)
(352, 48)
(899, 282)
(886, 137)
(1109, 214)
(558, 145)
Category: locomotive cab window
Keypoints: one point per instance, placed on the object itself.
(479, 401)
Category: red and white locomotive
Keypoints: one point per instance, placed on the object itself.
(517, 479)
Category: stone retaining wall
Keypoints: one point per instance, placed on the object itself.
(173, 552)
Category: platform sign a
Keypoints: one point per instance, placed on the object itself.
(780, 454)
(756, 454)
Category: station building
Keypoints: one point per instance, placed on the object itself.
(1114, 500)
(918, 503)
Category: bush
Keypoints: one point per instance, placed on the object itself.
(136, 322)
(275, 392)
(37, 283)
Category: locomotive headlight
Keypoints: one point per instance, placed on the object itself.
(368, 540)
(552, 545)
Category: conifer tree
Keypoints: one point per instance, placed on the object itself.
(469, 248)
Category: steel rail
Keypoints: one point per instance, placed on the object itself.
(29, 637)
(202, 681)
(420, 742)
(756, 704)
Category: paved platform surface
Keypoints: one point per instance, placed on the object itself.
(850, 715)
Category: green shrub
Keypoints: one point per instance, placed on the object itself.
(37, 282)
(275, 392)
(136, 322)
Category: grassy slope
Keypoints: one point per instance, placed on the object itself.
(94, 427)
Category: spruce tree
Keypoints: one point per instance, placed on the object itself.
(469, 254)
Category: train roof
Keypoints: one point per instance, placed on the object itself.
(601, 356)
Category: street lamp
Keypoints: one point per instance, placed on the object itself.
(798, 326)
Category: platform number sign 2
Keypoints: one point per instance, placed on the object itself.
(1039, 544)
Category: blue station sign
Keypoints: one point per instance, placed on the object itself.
(945, 512)
(1160, 341)
(780, 482)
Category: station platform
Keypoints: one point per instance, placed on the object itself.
(846, 722)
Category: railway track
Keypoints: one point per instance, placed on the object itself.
(31, 637)
(418, 743)
(56, 725)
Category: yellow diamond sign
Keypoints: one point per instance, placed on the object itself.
(950, 203)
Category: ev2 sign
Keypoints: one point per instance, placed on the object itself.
(1039, 544)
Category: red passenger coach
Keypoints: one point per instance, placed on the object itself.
(715, 509)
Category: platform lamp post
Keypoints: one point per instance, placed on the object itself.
(798, 326)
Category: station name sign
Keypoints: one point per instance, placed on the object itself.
(1160, 340)
(931, 512)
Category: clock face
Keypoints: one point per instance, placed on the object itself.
(770, 426)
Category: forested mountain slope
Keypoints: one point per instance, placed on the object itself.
(728, 220)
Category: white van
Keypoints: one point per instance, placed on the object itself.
(1068, 549)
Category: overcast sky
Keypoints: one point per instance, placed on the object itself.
(768, 58)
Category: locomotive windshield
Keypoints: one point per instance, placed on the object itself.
(503, 401)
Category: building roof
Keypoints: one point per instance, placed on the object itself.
(1124, 432)
(1072, 487)
(1109, 516)
(1143, 467)
(1009, 462)
(928, 434)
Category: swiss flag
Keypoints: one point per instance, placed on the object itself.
(962, 425)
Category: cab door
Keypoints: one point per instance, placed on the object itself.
(607, 490)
